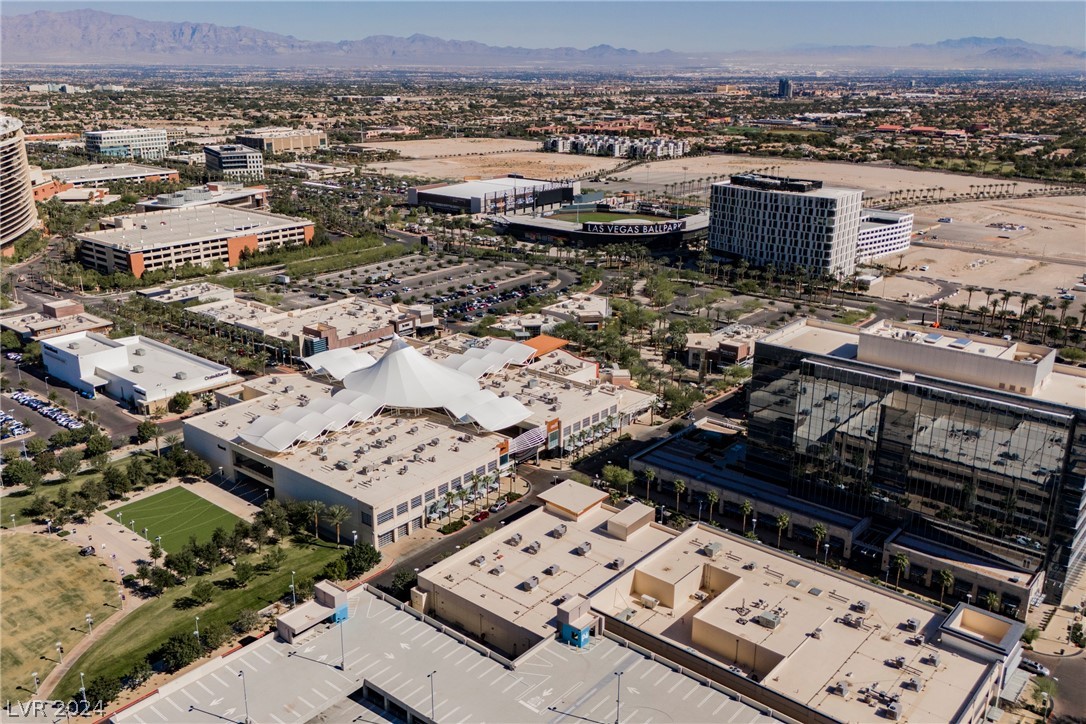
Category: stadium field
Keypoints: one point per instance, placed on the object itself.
(603, 216)
(176, 514)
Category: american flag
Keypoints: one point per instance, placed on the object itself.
(527, 441)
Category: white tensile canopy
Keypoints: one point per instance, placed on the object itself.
(404, 377)
(272, 433)
(338, 363)
(499, 413)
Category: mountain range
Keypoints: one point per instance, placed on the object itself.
(94, 37)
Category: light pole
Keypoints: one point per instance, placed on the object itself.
(197, 631)
(145, 534)
(342, 649)
(119, 514)
(37, 681)
(220, 475)
(618, 703)
(13, 520)
(699, 510)
(293, 596)
(826, 548)
(60, 652)
(83, 688)
(244, 694)
(354, 534)
(754, 526)
(132, 525)
(430, 676)
(90, 623)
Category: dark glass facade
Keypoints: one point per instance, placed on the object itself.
(997, 475)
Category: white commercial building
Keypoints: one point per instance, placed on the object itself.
(234, 161)
(883, 233)
(789, 223)
(147, 143)
(138, 371)
(588, 309)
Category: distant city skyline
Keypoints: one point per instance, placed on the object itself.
(639, 25)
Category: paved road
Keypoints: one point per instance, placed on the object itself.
(1071, 672)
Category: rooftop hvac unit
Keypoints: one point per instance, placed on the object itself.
(648, 601)
(515, 539)
(479, 561)
(432, 458)
(365, 449)
(364, 470)
(413, 430)
(320, 450)
(436, 441)
(768, 619)
(389, 460)
(562, 599)
(932, 658)
(324, 458)
(73, 345)
(181, 375)
(342, 465)
(893, 711)
(559, 530)
(712, 550)
(583, 549)
(618, 563)
(535, 547)
(530, 583)
(842, 688)
(552, 570)
(912, 625)
(532, 383)
(861, 606)
(497, 570)
(138, 351)
(416, 458)
(137, 368)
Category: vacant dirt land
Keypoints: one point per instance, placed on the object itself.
(435, 147)
(876, 180)
(532, 164)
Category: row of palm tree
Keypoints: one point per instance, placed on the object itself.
(335, 515)
(478, 488)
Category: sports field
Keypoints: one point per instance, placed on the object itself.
(603, 216)
(175, 514)
(48, 591)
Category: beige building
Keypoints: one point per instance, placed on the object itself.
(588, 309)
(64, 316)
(283, 140)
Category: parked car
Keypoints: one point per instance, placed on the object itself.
(499, 506)
(481, 516)
(86, 551)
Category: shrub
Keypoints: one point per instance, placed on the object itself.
(203, 592)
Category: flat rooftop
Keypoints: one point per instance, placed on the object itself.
(278, 132)
(782, 185)
(106, 172)
(350, 317)
(169, 227)
(185, 292)
(39, 326)
(474, 189)
(580, 305)
(394, 651)
(718, 601)
(504, 596)
(1064, 385)
(358, 457)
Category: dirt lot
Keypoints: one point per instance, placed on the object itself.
(530, 164)
(875, 180)
(434, 147)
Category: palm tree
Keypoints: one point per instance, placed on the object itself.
(315, 508)
(650, 475)
(970, 289)
(450, 496)
(1025, 298)
(713, 498)
(172, 441)
(991, 600)
(900, 563)
(474, 491)
(782, 525)
(680, 488)
(337, 515)
(746, 508)
(819, 531)
(946, 582)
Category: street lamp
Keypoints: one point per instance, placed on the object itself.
(83, 688)
(145, 534)
(90, 623)
(354, 534)
(60, 651)
(618, 711)
(826, 548)
(13, 520)
(754, 525)
(244, 694)
(197, 631)
(37, 681)
(220, 475)
(119, 514)
(293, 596)
(132, 525)
(430, 676)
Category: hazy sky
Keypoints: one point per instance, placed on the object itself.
(641, 25)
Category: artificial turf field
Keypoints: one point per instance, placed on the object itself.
(603, 216)
(176, 514)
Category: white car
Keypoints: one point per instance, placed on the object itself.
(1033, 667)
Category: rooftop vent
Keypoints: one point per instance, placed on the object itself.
(137, 368)
(479, 561)
(530, 583)
(497, 570)
(648, 601)
(552, 570)
(515, 539)
(182, 375)
(559, 530)
(861, 606)
(712, 550)
(583, 549)
(138, 351)
(912, 625)
(535, 547)
(618, 563)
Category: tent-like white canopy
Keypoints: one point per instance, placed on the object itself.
(341, 414)
(404, 377)
(460, 407)
(338, 363)
(499, 413)
(365, 404)
(270, 432)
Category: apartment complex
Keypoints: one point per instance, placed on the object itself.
(196, 235)
(149, 143)
(789, 223)
(277, 140)
(617, 146)
(234, 161)
(883, 233)
(18, 214)
(963, 453)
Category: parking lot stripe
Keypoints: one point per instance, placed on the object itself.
(675, 685)
(707, 698)
(307, 704)
(449, 715)
(467, 656)
(738, 710)
(696, 687)
(476, 664)
(417, 689)
(664, 676)
(277, 719)
(257, 654)
(201, 685)
(175, 704)
(722, 705)
(186, 693)
(217, 679)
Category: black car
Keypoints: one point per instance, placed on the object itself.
(86, 551)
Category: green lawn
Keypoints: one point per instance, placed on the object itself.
(176, 514)
(603, 216)
(145, 629)
(50, 490)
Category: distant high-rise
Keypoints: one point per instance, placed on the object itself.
(789, 223)
(17, 211)
(784, 88)
(234, 161)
